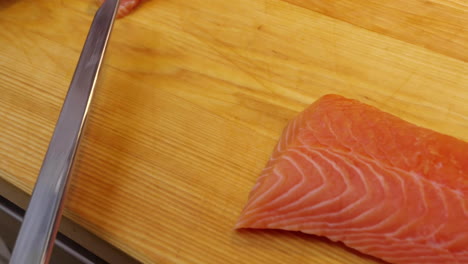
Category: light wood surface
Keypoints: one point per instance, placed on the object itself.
(193, 97)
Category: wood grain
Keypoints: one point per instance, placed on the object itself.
(192, 99)
(438, 25)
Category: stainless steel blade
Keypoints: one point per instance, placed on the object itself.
(37, 234)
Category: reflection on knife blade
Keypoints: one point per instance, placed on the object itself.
(37, 234)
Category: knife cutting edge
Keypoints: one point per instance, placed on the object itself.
(37, 234)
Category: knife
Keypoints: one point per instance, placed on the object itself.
(36, 238)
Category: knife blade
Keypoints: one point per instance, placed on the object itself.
(36, 238)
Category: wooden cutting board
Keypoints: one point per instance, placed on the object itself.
(193, 97)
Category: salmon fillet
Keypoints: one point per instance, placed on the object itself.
(381, 185)
(125, 7)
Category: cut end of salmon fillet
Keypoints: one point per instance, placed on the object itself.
(383, 186)
(125, 7)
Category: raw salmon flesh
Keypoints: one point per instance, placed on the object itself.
(125, 7)
(381, 185)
